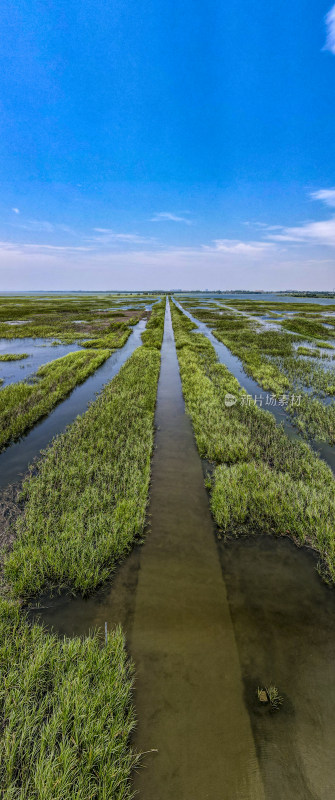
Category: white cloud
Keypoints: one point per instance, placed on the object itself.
(37, 247)
(167, 216)
(327, 196)
(26, 268)
(44, 226)
(319, 233)
(330, 23)
(66, 248)
(108, 236)
(238, 247)
(16, 210)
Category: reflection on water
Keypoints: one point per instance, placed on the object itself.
(14, 461)
(323, 449)
(39, 352)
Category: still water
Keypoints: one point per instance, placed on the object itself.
(15, 460)
(39, 352)
(323, 449)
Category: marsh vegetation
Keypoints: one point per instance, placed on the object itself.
(263, 481)
(66, 713)
(66, 705)
(68, 318)
(270, 357)
(86, 500)
(22, 404)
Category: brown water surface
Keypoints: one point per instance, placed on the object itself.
(284, 621)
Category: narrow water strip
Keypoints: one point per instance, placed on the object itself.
(189, 691)
(14, 461)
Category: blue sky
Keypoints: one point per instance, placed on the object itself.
(164, 144)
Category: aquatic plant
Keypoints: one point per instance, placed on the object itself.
(22, 404)
(13, 356)
(268, 356)
(308, 351)
(275, 699)
(307, 327)
(86, 504)
(57, 316)
(270, 695)
(263, 482)
(66, 713)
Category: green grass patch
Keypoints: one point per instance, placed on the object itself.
(13, 356)
(308, 351)
(152, 336)
(68, 318)
(112, 340)
(22, 404)
(66, 714)
(307, 327)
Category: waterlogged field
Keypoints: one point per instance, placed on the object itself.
(263, 482)
(69, 318)
(66, 706)
(288, 348)
(98, 325)
(84, 507)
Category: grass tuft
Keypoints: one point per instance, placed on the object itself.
(66, 714)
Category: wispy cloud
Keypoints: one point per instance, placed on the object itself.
(22, 247)
(311, 232)
(330, 23)
(167, 216)
(239, 247)
(43, 226)
(319, 233)
(16, 210)
(56, 247)
(108, 236)
(327, 196)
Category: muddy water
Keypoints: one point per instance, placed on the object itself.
(14, 461)
(323, 449)
(171, 598)
(284, 621)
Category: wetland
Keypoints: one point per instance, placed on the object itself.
(169, 553)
